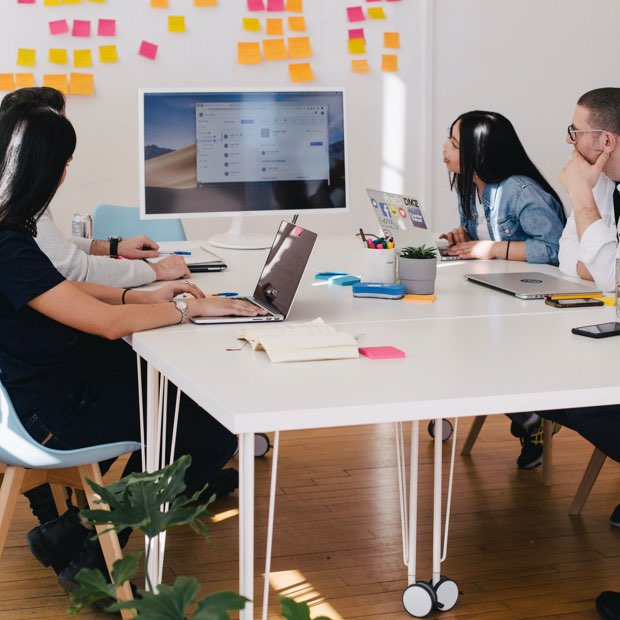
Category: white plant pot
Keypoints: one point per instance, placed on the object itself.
(418, 274)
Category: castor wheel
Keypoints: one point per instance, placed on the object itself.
(446, 429)
(261, 444)
(447, 594)
(419, 599)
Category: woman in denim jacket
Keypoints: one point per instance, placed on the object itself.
(507, 208)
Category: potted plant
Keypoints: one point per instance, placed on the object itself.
(417, 268)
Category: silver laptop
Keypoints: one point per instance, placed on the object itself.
(279, 279)
(401, 218)
(530, 285)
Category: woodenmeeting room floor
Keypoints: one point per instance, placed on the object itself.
(513, 548)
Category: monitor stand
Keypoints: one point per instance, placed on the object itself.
(234, 239)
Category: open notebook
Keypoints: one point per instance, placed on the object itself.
(198, 258)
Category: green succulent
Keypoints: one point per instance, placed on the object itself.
(420, 251)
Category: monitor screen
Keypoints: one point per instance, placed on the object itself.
(206, 152)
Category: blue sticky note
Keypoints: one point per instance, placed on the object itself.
(328, 275)
(345, 280)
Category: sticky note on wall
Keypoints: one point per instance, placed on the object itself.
(176, 23)
(274, 26)
(82, 58)
(81, 84)
(294, 6)
(81, 28)
(58, 56)
(24, 80)
(148, 50)
(26, 57)
(299, 47)
(108, 53)
(59, 26)
(248, 53)
(7, 82)
(301, 72)
(58, 81)
(106, 28)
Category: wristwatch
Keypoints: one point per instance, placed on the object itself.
(182, 308)
(114, 241)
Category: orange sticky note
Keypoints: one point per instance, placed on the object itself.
(205, 2)
(376, 12)
(108, 53)
(58, 56)
(274, 49)
(176, 23)
(389, 62)
(274, 26)
(299, 47)
(357, 46)
(360, 66)
(82, 58)
(295, 6)
(248, 53)
(26, 57)
(301, 72)
(81, 84)
(159, 4)
(58, 81)
(391, 40)
(297, 24)
(7, 81)
(24, 80)
(251, 23)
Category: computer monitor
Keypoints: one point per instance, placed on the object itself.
(240, 152)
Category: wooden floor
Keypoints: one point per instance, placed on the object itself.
(513, 549)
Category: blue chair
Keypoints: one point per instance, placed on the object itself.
(27, 464)
(109, 220)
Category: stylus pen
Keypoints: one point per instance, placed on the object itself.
(178, 252)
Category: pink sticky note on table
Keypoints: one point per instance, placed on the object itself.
(256, 5)
(381, 353)
(356, 33)
(59, 26)
(355, 14)
(81, 28)
(25, 1)
(148, 50)
(106, 28)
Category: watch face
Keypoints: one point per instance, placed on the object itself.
(182, 305)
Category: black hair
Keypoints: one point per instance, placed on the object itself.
(490, 148)
(36, 143)
(604, 107)
(40, 95)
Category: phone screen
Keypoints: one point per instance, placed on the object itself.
(611, 328)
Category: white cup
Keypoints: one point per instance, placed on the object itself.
(378, 266)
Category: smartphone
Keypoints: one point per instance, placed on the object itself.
(574, 303)
(602, 330)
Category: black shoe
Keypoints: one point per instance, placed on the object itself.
(608, 605)
(56, 542)
(226, 482)
(615, 517)
(531, 439)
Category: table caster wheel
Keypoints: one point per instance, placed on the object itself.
(447, 594)
(446, 429)
(419, 599)
(261, 444)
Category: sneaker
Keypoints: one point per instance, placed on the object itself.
(615, 517)
(531, 439)
(608, 605)
(226, 482)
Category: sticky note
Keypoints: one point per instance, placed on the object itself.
(176, 23)
(58, 81)
(108, 53)
(256, 5)
(248, 53)
(274, 49)
(381, 353)
(275, 5)
(81, 84)
(73, 1)
(99, 1)
(7, 81)
(299, 47)
(106, 28)
(355, 14)
(376, 12)
(391, 40)
(297, 24)
(301, 72)
(24, 80)
(82, 58)
(59, 26)
(20, 2)
(360, 66)
(205, 2)
(425, 299)
(389, 62)
(159, 4)
(58, 56)
(251, 23)
(81, 28)
(357, 46)
(26, 57)
(148, 50)
(345, 280)
(356, 33)
(274, 26)
(295, 6)
(52, 2)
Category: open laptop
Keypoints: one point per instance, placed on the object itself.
(530, 284)
(401, 218)
(279, 279)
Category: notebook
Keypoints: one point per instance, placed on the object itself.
(401, 218)
(198, 258)
(530, 284)
(279, 280)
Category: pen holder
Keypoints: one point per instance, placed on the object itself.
(378, 265)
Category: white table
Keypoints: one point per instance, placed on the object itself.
(474, 352)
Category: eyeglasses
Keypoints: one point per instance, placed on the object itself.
(572, 132)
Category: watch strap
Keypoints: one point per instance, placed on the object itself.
(181, 306)
(114, 241)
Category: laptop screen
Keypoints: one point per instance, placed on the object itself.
(285, 266)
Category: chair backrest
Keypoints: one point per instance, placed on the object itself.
(17, 447)
(111, 220)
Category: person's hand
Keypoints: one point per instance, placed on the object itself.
(139, 246)
(473, 249)
(170, 290)
(457, 235)
(223, 306)
(579, 175)
(171, 267)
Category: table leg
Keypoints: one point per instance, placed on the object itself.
(437, 504)
(246, 523)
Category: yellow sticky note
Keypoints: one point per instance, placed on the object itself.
(295, 6)
(357, 46)
(176, 23)
(391, 40)
(81, 84)
(297, 24)
(248, 53)
(52, 2)
(159, 4)
(299, 47)
(205, 2)
(7, 81)
(26, 57)
(376, 12)
(251, 23)
(274, 26)
(301, 72)
(58, 56)
(58, 81)
(274, 49)
(389, 62)
(24, 80)
(108, 53)
(424, 299)
(99, 1)
(82, 58)
(360, 66)
(73, 1)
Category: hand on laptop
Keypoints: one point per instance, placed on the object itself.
(170, 290)
(457, 235)
(223, 306)
(473, 249)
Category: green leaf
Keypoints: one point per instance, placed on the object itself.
(418, 252)
(123, 570)
(93, 588)
(292, 610)
(216, 606)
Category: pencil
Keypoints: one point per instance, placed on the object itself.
(363, 236)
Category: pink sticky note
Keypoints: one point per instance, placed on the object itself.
(356, 33)
(275, 5)
(106, 27)
(148, 50)
(81, 28)
(355, 14)
(25, 1)
(59, 26)
(256, 5)
(381, 353)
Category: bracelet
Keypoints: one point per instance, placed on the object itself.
(123, 295)
(507, 249)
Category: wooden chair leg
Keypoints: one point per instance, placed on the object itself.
(474, 431)
(61, 496)
(9, 492)
(587, 482)
(547, 464)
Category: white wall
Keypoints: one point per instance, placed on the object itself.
(529, 59)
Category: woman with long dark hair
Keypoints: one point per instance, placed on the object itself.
(507, 208)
